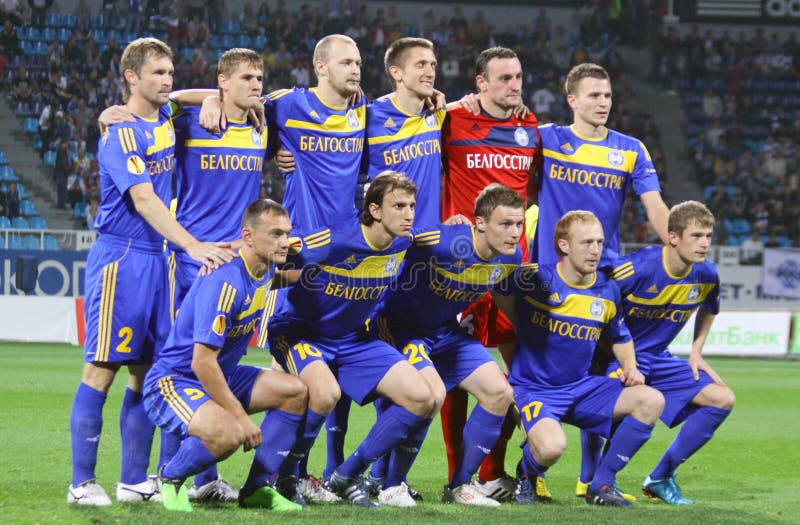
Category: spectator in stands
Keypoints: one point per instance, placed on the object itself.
(9, 40)
(712, 105)
(11, 10)
(3, 203)
(772, 241)
(752, 249)
(133, 20)
(543, 101)
(61, 172)
(91, 212)
(39, 11)
(12, 200)
(75, 190)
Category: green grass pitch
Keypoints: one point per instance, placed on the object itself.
(749, 473)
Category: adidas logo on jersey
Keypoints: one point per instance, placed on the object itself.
(148, 135)
(567, 147)
(389, 123)
(555, 298)
(459, 264)
(475, 126)
(351, 259)
(652, 289)
(314, 114)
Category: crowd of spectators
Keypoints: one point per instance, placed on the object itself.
(78, 77)
(742, 99)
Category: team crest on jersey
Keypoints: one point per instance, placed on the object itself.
(391, 265)
(351, 259)
(135, 165)
(256, 137)
(218, 326)
(596, 308)
(694, 293)
(352, 119)
(495, 274)
(521, 136)
(430, 120)
(616, 158)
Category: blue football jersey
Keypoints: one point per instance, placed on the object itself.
(442, 276)
(579, 173)
(559, 324)
(327, 143)
(657, 304)
(343, 278)
(219, 175)
(222, 310)
(409, 144)
(129, 154)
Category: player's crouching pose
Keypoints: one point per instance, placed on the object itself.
(447, 269)
(198, 389)
(318, 332)
(560, 311)
(676, 278)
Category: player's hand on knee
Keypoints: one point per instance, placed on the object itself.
(632, 377)
(697, 363)
(212, 117)
(252, 434)
(284, 160)
(114, 115)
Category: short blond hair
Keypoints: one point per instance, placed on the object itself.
(683, 214)
(136, 55)
(564, 225)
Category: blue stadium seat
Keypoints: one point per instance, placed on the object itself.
(734, 240)
(40, 49)
(5, 222)
(228, 41)
(31, 242)
(48, 35)
(50, 243)
(785, 241)
(259, 42)
(15, 243)
(30, 125)
(38, 223)
(69, 20)
(2, 242)
(79, 212)
(31, 33)
(23, 193)
(22, 109)
(27, 209)
(37, 143)
(49, 158)
(64, 34)
(7, 174)
(231, 27)
(3, 159)
(244, 41)
(20, 223)
(52, 20)
(187, 52)
(99, 37)
(215, 42)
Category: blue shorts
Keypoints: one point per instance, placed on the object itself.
(587, 403)
(359, 361)
(127, 301)
(454, 353)
(172, 399)
(183, 272)
(672, 376)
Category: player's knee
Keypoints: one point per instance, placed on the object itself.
(650, 404)
(548, 450)
(439, 393)
(724, 398)
(296, 399)
(323, 398)
(420, 399)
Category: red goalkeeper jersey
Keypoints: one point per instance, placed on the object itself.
(480, 150)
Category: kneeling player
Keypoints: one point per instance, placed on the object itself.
(447, 269)
(661, 288)
(198, 388)
(560, 311)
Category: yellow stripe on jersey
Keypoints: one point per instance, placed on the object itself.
(687, 294)
(126, 140)
(623, 271)
(317, 236)
(581, 307)
(165, 138)
(259, 301)
(334, 123)
(228, 304)
(424, 235)
(278, 93)
(432, 242)
(412, 127)
(482, 274)
(234, 137)
(178, 405)
(269, 309)
(172, 285)
(106, 316)
(222, 295)
(373, 267)
(592, 155)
